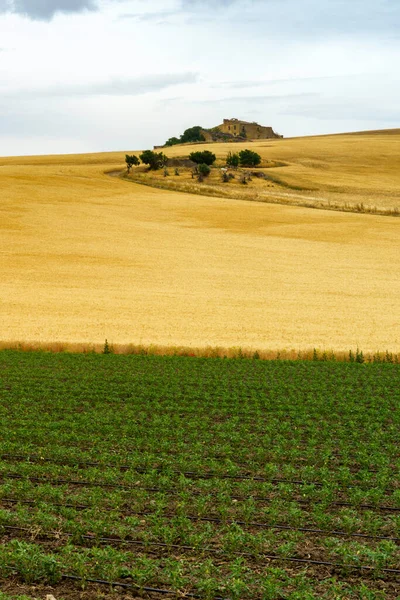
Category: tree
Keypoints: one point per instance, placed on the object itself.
(232, 160)
(206, 157)
(155, 160)
(131, 161)
(172, 141)
(193, 134)
(248, 158)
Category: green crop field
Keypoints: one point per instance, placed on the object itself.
(192, 477)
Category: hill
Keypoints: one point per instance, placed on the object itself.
(87, 257)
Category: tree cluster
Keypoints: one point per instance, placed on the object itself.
(245, 158)
(155, 160)
(193, 134)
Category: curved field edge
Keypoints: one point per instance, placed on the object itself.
(233, 352)
(350, 172)
(287, 198)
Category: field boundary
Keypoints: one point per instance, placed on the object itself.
(232, 352)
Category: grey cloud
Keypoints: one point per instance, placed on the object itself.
(116, 87)
(276, 18)
(45, 10)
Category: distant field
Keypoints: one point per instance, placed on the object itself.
(85, 256)
(353, 171)
(222, 479)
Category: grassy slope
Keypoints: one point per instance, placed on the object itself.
(85, 257)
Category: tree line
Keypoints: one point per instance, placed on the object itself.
(158, 160)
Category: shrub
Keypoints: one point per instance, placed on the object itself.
(204, 170)
(206, 157)
(232, 160)
(248, 158)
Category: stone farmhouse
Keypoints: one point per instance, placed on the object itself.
(235, 130)
(251, 131)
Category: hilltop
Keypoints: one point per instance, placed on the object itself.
(231, 130)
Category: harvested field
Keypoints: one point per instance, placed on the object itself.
(86, 257)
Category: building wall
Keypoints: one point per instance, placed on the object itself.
(253, 131)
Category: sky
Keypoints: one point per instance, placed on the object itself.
(102, 75)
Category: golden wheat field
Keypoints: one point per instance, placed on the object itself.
(86, 256)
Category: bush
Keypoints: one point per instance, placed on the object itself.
(248, 158)
(204, 170)
(155, 160)
(206, 157)
(232, 160)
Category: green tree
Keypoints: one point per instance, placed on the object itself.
(131, 161)
(248, 158)
(232, 160)
(206, 157)
(155, 160)
(172, 141)
(193, 134)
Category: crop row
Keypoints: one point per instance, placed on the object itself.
(212, 477)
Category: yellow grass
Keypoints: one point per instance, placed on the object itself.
(86, 257)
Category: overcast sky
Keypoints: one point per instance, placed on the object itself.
(96, 75)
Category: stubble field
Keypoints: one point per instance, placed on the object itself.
(85, 256)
